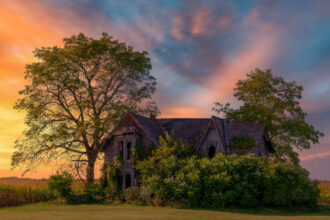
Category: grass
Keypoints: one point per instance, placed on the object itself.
(128, 212)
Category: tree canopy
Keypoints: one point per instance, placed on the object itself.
(270, 100)
(76, 94)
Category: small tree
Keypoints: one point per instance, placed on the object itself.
(271, 101)
(76, 94)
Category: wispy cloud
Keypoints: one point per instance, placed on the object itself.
(198, 51)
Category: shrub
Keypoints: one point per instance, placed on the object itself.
(133, 195)
(225, 181)
(93, 193)
(60, 184)
(288, 186)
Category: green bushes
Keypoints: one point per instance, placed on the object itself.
(288, 186)
(61, 185)
(226, 181)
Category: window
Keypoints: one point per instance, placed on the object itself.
(128, 151)
(128, 181)
(211, 152)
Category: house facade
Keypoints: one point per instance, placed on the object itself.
(209, 136)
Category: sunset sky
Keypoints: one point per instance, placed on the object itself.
(198, 49)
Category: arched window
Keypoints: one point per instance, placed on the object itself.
(128, 181)
(211, 152)
(128, 154)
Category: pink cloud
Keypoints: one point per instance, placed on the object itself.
(258, 51)
(200, 22)
(315, 156)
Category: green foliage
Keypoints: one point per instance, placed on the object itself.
(133, 195)
(93, 193)
(241, 143)
(226, 181)
(76, 94)
(270, 100)
(169, 148)
(288, 186)
(140, 153)
(110, 174)
(60, 184)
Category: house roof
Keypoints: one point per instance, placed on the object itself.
(193, 130)
(189, 130)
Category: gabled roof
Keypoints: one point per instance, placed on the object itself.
(193, 130)
(150, 127)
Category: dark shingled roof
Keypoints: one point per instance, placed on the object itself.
(149, 126)
(192, 130)
(189, 130)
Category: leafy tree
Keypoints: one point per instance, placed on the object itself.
(76, 94)
(271, 101)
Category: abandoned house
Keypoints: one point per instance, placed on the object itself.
(210, 136)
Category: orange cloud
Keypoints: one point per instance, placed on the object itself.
(200, 21)
(183, 112)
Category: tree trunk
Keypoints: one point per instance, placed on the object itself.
(90, 171)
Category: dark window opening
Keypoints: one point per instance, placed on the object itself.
(128, 147)
(211, 152)
(128, 181)
(120, 182)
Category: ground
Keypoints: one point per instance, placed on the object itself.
(126, 212)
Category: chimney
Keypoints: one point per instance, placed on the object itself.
(152, 117)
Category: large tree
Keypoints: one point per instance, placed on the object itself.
(76, 94)
(272, 101)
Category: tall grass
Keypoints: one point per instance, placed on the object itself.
(12, 196)
(324, 187)
(16, 191)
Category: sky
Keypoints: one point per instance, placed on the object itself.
(198, 49)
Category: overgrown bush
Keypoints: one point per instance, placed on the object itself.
(288, 186)
(60, 184)
(226, 181)
(111, 174)
(93, 193)
(133, 195)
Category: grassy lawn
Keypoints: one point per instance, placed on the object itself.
(62, 211)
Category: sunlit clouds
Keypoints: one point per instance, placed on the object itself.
(198, 50)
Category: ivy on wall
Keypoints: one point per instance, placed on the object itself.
(241, 143)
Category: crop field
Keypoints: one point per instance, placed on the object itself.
(324, 187)
(18, 191)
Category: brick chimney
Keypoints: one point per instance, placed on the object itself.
(152, 117)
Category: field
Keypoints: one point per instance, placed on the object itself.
(34, 190)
